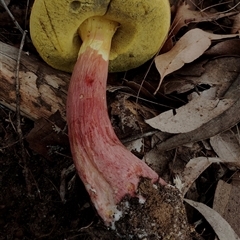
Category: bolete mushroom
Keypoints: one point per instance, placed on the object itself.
(88, 38)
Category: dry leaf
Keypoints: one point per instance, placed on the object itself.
(215, 126)
(226, 203)
(158, 161)
(219, 72)
(191, 3)
(191, 46)
(190, 116)
(227, 147)
(221, 227)
(48, 135)
(192, 171)
(236, 24)
(228, 47)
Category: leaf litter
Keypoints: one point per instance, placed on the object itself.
(189, 47)
(186, 14)
(208, 115)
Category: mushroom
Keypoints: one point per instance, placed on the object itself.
(88, 38)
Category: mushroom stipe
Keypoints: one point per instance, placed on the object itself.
(98, 154)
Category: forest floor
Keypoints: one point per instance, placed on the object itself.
(39, 200)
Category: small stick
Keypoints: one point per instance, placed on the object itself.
(19, 130)
(11, 16)
(26, 14)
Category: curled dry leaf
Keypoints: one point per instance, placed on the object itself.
(192, 171)
(191, 46)
(220, 225)
(227, 147)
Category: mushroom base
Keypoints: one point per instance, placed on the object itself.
(160, 215)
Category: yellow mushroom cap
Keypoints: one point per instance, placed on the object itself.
(143, 27)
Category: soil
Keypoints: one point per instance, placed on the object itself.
(32, 200)
(158, 215)
(31, 205)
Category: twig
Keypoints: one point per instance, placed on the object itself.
(64, 173)
(19, 130)
(149, 68)
(139, 136)
(13, 18)
(26, 14)
(149, 101)
(218, 4)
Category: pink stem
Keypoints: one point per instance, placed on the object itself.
(108, 170)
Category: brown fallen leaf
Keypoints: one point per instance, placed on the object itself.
(158, 161)
(190, 46)
(236, 24)
(227, 47)
(48, 133)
